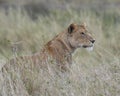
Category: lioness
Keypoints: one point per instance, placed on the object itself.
(61, 47)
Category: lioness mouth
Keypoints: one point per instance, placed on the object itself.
(87, 46)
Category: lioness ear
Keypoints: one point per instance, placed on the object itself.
(71, 28)
(83, 25)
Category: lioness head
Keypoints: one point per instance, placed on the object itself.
(79, 36)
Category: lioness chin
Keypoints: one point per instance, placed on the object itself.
(61, 47)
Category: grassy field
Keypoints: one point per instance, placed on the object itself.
(95, 73)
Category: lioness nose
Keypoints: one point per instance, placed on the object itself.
(93, 41)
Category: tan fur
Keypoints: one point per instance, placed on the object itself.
(61, 47)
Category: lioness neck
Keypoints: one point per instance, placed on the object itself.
(63, 39)
(60, 46)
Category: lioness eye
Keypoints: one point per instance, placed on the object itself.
(83, 33)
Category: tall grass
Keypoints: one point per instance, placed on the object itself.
(95, 73)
